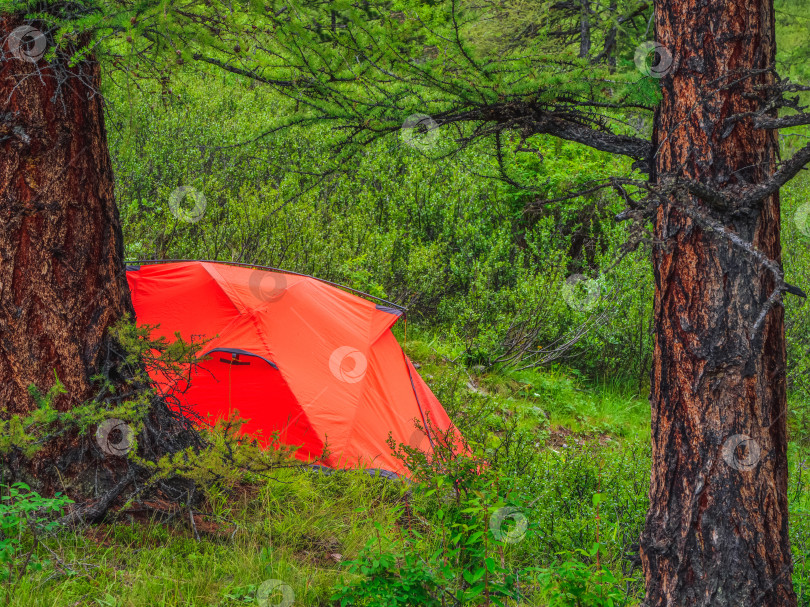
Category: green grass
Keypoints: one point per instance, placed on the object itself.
(301, 527)
(554, 398)
(296, 527)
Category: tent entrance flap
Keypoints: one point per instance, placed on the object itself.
(257, 392)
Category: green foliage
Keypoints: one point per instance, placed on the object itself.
(574, 583)
(458, 250)
(369, 67)
(796, 261)
(151, 35)
(792, 42)
(465, 562)
(137, 352)
(389, 578)
(520, 25)
(477, 530)
(24, 432)
(24, 517)
(226, 456)
(222, 459)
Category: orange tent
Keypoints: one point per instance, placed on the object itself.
(293, 355)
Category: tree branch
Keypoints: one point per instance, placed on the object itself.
(788, 170)
(535, 120)
(248, 73)
(767, 122)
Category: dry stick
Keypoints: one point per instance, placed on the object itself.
(193, 524)
(59, 562)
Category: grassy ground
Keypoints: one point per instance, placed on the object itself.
(553, 398)
(301, 526)
(295, 527)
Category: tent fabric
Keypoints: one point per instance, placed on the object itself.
(294, 356)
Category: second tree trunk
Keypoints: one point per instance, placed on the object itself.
(717, 529)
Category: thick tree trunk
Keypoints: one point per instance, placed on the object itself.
(717, 529)
(62, 279)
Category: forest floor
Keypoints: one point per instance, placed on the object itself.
(301, 529)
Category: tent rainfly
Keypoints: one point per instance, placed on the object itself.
(293, 355)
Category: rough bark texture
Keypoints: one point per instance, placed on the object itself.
(716, 532)
(62, 279)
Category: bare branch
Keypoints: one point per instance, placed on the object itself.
(767, 122)
(788, 170)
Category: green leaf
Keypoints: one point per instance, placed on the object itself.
(474, 538)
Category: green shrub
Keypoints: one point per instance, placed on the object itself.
(25, 517)
(575, 584)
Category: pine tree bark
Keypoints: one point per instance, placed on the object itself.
(717, 529)
(62, 278)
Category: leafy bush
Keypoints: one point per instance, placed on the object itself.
(496, 522)
(24, 517)
(576, 584)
